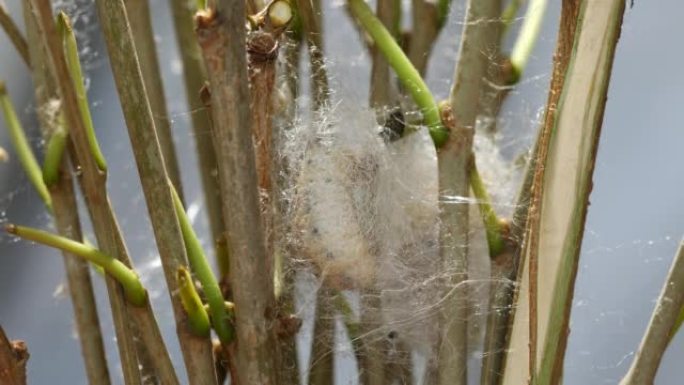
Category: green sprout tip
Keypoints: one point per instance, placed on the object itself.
(200, 266)
(74, 65)
(198, 319)
(22, 147)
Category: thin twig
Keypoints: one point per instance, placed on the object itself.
(657, 335)
(149, 158)
(14, 34)
(424, 33)
(221, 35)
(429, 17)
(138, 12)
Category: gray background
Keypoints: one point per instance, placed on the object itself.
(635, 219)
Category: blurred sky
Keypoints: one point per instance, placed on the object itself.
(635, 220)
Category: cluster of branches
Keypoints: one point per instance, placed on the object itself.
(228, 62)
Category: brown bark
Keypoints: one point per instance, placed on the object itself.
(222, 37)
(13, 358)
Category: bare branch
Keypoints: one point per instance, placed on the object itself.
(138, 12)
(657, 336)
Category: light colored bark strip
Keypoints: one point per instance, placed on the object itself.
(567, 154)
(499, 322)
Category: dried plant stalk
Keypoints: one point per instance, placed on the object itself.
(140, 21)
